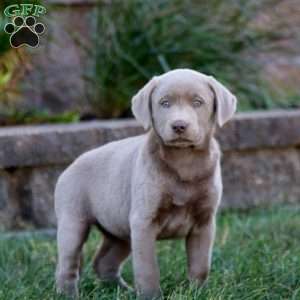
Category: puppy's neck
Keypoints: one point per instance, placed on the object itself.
(187, 164)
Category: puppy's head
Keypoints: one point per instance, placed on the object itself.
(183, 106)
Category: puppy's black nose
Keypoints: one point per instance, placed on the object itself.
(179, 126)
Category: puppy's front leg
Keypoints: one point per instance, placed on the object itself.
(145, 266)
(199, 244)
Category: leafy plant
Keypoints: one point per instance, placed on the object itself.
(4, 38)
(16, 117)
(137, 39)
(12, 63)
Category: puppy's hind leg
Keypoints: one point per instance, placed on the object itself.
(109, 258)
(71, 235)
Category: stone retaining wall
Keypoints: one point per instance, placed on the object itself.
(261, 162)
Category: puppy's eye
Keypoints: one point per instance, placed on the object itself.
(165, 103)
(197, 102)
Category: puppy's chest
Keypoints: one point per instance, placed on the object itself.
(182, 207)
(185, 194)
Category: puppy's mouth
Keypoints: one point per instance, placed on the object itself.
(180, 142)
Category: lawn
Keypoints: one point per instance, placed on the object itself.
(256, 256)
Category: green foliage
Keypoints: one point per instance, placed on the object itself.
(10, 60)
(137, 39)
(4, 37)
(256, 256)
(19, 117)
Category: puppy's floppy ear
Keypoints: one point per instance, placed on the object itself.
(140, 104)
(225, 101)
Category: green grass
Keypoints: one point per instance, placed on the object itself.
(256, 256)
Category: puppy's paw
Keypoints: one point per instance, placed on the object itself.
(150, 295)
(68, 289)
(199, 279)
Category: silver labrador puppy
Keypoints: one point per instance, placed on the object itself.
(160, 185)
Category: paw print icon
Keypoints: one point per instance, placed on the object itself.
(24, 31)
